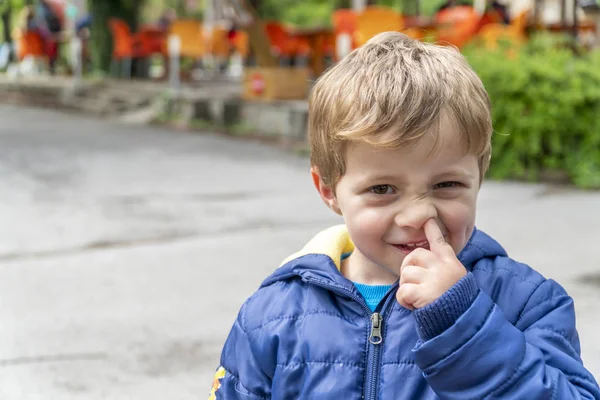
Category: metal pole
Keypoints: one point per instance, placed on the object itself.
(77, 59)
(209, 14)
(575, 31)
(174, 47)
(359, 5)
(207, 28)
(479, 6)
(537, 14)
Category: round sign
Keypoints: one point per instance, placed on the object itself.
(257, 83)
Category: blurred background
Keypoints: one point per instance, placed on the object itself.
(154, 169)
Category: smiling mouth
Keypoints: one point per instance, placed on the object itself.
(410, 247)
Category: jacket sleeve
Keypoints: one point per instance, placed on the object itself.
(482, 355)
(239, 376)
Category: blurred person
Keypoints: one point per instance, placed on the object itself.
(54, 25)
(50, 16)
(83, 31)
(407, 299)
(84, 24)
(31, 35)
(166, 19)
(28, 21)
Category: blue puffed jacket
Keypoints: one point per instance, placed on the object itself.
(502, 332)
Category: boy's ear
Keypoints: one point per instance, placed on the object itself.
(327, 194)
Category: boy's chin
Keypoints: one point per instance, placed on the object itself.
(392, 269)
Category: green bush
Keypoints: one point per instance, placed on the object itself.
(546, 109)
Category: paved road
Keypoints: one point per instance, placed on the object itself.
(125, 252)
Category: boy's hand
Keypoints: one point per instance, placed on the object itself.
(427, 274)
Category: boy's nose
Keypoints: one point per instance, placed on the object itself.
(415, 214)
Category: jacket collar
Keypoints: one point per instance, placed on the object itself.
(320, 259)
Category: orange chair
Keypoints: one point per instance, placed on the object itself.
(241, 43)
(374, 20)
(418, 27)
(519, 23)
(457, 25)
(31, 44)
(191, 37)
(489, 17)
(219, 44)
(492, 34)
(124, 46)
(344, 29)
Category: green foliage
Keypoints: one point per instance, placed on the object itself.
(318, 12)
(153, 9)
(302, 13)
(546, 103)
(9, 10)
(429, 7)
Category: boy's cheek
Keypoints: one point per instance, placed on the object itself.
(458, 222)
(366, 223)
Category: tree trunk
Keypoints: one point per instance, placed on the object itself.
(101, 38)
(6, 26)
(248, 19)
(256, 4)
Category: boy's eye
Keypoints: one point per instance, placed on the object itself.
(449, 184)
(382, 189)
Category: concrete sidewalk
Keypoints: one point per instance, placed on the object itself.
(126, 252)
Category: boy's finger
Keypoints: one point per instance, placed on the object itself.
(435, 237)
(407, 295)
(412, 274)
(421, 257)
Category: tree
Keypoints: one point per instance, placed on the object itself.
(101, 38)
(9, 10)
(5, 14)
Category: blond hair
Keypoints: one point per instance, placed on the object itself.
(390, 92)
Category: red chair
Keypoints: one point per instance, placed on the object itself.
(344, 21)
(457, 25)
(151, 40)
(283, 44)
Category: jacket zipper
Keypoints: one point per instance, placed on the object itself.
(374, 354)
(375, 337)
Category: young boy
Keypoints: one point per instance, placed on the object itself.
(407, 300)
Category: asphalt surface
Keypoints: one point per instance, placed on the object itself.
(126, 251)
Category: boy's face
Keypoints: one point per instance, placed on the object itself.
(387, 195)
